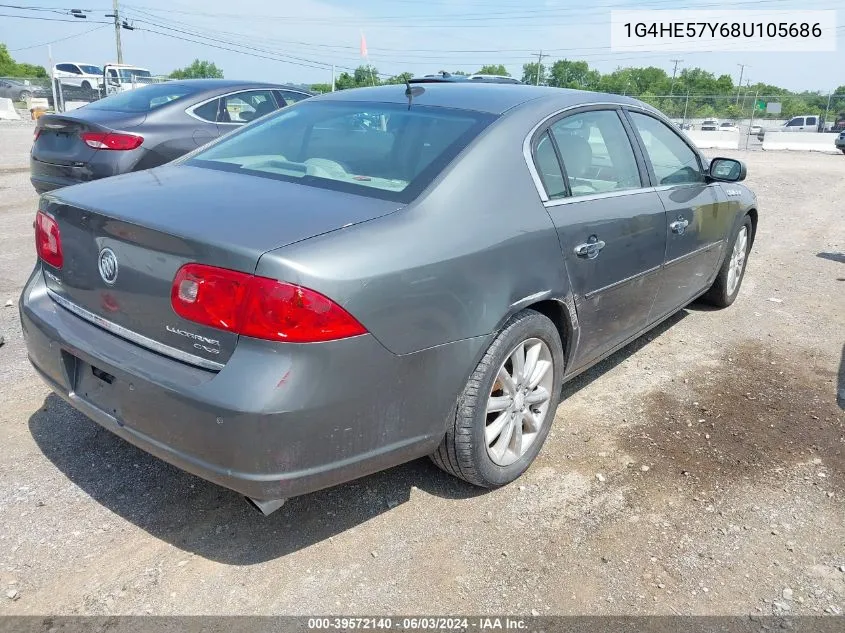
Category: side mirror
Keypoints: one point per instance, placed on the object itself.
(727, 170)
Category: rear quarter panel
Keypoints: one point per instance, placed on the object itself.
(472, 250)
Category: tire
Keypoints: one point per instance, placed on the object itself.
(464, 450)
(726, 287)
(85, 85)
(25, 95)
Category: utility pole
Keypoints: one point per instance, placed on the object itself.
(674, 72)
(116, 17)
(739, 85)
(52, 78)
(333, 78)
(540, 57)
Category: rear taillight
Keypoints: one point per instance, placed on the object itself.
(258, 307)
(48, 240)
(112, 140)
(36, 134)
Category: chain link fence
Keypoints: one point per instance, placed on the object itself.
(749, 109)
(29, 93)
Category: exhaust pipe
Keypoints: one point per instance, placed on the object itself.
(265, 507)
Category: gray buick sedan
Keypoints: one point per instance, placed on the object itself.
(375, 275)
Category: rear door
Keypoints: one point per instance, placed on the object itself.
(697, 214)
(611, 224)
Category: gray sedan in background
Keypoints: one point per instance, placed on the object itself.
(146, 127)
(375, 275)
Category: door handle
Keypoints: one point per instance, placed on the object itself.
(590, 249)
(679, 226)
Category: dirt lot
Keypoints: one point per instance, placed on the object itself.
(701, 470)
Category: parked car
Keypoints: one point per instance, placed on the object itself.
(839, 123)
(146, 127)
(85, 76)
(122, 77)
(727, 126)
(755, 129)
(292, 306)
(445, 77)
(496, 79)
(20, 90)
(803, 123)
(839, 141)
(709, 125)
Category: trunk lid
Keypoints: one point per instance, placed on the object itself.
(157, 220)
(59, 141)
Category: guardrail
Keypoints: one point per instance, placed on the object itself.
(801, 141)
(714, 140)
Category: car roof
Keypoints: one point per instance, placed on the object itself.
(202, 85)
(480, 96)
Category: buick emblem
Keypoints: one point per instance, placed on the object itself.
(107, 264)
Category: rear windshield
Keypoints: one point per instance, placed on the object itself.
(375, 149)
(143, 99)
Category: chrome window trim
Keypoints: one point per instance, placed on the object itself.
(190, 110)
(527, 154)
(134, 337)
(556, 202)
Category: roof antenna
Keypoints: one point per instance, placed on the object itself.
(408, 92)
(412, 92)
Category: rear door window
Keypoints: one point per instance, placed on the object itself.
(811, 120)
(596, 152)
(208, 111)
(289, 97)
(243, 107)
(548, 166)
(376, 149)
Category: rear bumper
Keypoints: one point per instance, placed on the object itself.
(49, 176)
(277, 421)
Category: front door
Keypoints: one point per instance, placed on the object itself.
(697, 213)
(611, 226)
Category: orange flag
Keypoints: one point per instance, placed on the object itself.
(363, 45)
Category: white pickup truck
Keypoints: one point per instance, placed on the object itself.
(802, 123)
(122, 77)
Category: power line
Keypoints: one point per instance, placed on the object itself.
(61, 39)
(35, 17)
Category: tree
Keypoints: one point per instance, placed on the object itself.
(321, 88)
(494, 69)
(199, 69)
(10, 68)
(366, 76)
(400, 78)
(567, 74)
(344, 81)
(529, 73)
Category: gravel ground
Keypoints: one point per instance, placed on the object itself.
(701, 470)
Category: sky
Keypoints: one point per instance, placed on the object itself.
(297, 41)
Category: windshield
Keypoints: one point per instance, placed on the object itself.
(375, 149)
(143, 99)
(91, 70)
(126, 74)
